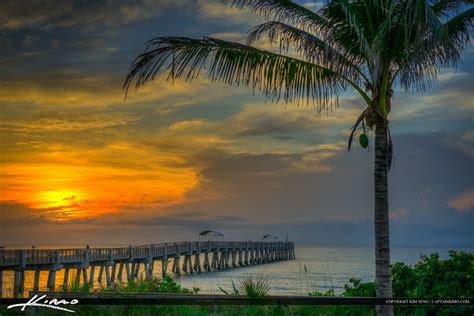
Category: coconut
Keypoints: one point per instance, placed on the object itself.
(363, 140)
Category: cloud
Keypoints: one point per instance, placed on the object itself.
(177, 157)
(13, 213)
(463, 202)
(314, 5)
(223, 12)
(230, 36)
(196, 221)
(268, 119)
(268, 189)
(88, 15)
(245, 195)
(54, 121)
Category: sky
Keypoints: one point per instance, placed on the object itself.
(81, 165)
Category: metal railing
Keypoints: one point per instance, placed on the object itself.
(11, 257)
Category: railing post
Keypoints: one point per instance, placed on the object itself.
(87, 258)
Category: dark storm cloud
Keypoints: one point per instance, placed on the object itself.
(269, 188)
(268, 126)
(196, 221)
(12, 209)
(50, 14)
(14, 214)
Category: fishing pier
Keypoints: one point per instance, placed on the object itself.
(124, 263)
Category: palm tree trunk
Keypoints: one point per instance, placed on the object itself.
(383, 279)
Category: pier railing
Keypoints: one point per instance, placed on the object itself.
(113, 262)
(51, 256)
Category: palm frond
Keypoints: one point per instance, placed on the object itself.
(275, 75)
(445, 7)
(441, 46)
(254, 288)
(309, 46)
(457, 32)
(283, 10)
(344, 43)
(347, 29)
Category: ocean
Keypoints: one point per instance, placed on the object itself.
(315, 268)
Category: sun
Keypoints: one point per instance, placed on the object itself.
(58, 198)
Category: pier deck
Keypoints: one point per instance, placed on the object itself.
(115, 262)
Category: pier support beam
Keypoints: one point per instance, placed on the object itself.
(164, 266)
(215, 260)
(176, 268)
(226, 259)
(127, 271)
(120, 271)
(136, 270)
(51, 280)
(206, 265)
(188, 264)
(221, 263)
(18, 283)
(107, 275)
(114, 272)
(37, 280)
(133, 267)
(185, 264)
(197, 263)
(149, 269)
(84, 276)
(91, 275)
(78, 275)
(101, 272)
(65, 279)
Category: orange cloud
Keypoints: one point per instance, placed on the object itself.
(67, 192)
(463, 201)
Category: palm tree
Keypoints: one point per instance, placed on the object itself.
(370, 46)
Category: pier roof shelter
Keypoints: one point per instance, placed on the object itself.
(270, 237)
(208, 234)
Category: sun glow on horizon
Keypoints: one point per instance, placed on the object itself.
(65, 193)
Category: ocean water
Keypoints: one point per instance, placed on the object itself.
(315, 268)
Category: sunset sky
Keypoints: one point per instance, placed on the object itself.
(79, 165)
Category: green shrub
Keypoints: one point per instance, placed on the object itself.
(153, 285)
(359, 288)
(327, 293)
(445, 278)
(431, 277)
(249, 287)
(254, 288)
(76, 287)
